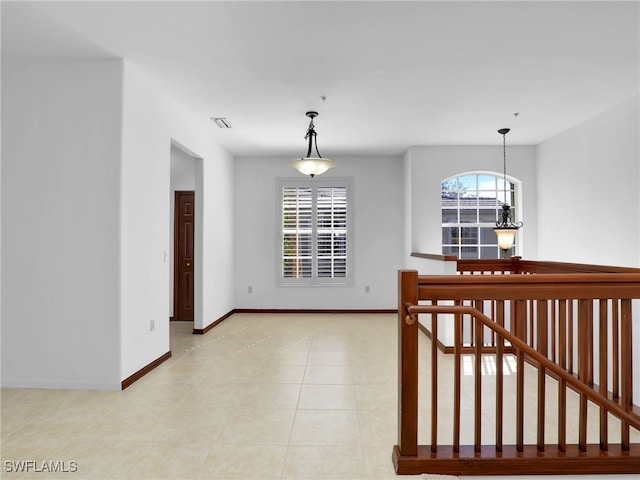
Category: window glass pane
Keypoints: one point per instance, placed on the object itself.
(487, 183)
(324, 244)
(297, 267)
(469, 235)
(468, 216)
(448, 250)
(324, 267)
(449, 215)
(467, 182)
(487, 215)
(510, 253)
(340, 245)
(502, 185)
(489, 252)
(340, 268)
(469, 252)
(450, 235)
(488, 236)
(450, 189)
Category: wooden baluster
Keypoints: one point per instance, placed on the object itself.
(553, 332)
(472, 331)
(562, 384)
(499, 376)
(456, 380)
(531, 320)
(520, 316)
(570, 336)
(626, 367)
(493, 315)
(477, 412)
(407, 366)
(584, 352)
(591, 353)
(603, 322)
(434, 382)
(541, 320)
(513, 325)
(615, 347)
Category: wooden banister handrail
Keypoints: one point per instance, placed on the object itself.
(435, 256)
(518, 265)
(602, 401)
(546, 286)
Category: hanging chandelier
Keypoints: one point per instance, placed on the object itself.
(309, 165)
(505, 228)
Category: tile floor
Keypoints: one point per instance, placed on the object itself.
(261, 396)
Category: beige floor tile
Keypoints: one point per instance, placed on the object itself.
(324, 462)
(244, 462)
(277, 373)
(149, 460)
(378, 427)
(186, 424)
(313, 397)
(377, 397)
(272, 395)
(259, 427)
(328, 375)
(328, 358)
(325, 427)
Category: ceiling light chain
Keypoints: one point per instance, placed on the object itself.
(505, 228)
(311, 135)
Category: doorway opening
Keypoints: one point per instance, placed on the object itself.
(183, 242)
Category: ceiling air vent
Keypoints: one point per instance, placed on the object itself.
(222, 122)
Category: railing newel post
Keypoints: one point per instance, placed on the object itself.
(407, 365)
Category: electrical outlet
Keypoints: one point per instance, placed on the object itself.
(367, 289)
(152, 324)
(250, 289)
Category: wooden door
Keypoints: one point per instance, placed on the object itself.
(184, 221)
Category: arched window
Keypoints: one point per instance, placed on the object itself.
(471, 205)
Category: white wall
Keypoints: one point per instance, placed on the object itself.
(183, 170)
(61, 130)
(215, 201)
(407, 186)
(86, 222)
(378, 235)
(145, 223)
(429, 166)
(588, 195)
(589, 200)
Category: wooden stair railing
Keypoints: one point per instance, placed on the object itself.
(518, 298)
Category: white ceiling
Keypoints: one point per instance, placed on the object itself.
(395, 74)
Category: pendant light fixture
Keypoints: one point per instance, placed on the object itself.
(309, 165)
(505, 228)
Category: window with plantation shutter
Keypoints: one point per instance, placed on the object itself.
(314, 232)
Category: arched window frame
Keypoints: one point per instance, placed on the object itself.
(477, 240)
